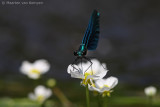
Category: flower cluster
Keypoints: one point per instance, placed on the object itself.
(34, 71)
(92, 75)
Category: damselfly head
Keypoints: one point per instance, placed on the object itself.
(82, 51)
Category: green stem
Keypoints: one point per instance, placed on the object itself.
(150, 101)
(43, 105)
(106, 102)
(99, 101)
(87, 96)
(62, 97)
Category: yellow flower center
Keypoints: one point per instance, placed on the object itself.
(40, 98)
(85, 82)
(108, 93)
(93, 85)
(35, 71)
(106, 86)
(103, 86)
(88, 73)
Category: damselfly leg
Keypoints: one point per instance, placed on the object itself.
(88, 59)
(75, 63)
(95, 58)
(79, 62)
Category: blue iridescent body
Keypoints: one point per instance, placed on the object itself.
(91, 36)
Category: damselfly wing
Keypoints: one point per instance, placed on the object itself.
(91, 36)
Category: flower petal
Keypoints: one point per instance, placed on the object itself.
(98, 74)
(40, 90)
(32, 96)
(42, 65)
(75, 71)
(26, 67)
(33, 75)
(85, 67)
(150, 91)
(48, 93)
(111, 82)
(99, 83)
(92, 88)
(43, 91)
(95, 66)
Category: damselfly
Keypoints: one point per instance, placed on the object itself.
(90, 39)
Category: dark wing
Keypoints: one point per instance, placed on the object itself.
(91, 35)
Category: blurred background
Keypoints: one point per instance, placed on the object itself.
(129, 43)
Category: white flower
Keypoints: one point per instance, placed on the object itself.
(34, 70)
(104, 86)
(150, 91)
(86, 72)
(40, 94)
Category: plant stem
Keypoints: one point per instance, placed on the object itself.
(99, 101)
(150, 101)
(43, 104)
(87, 96)
(62, 97)
(106, 102)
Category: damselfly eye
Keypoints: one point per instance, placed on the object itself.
(75, 53)
(84, 53)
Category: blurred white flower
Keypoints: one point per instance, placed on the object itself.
(150, 91)
(40, 94)
(86, 72)
(34, 70)
(104, 86)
